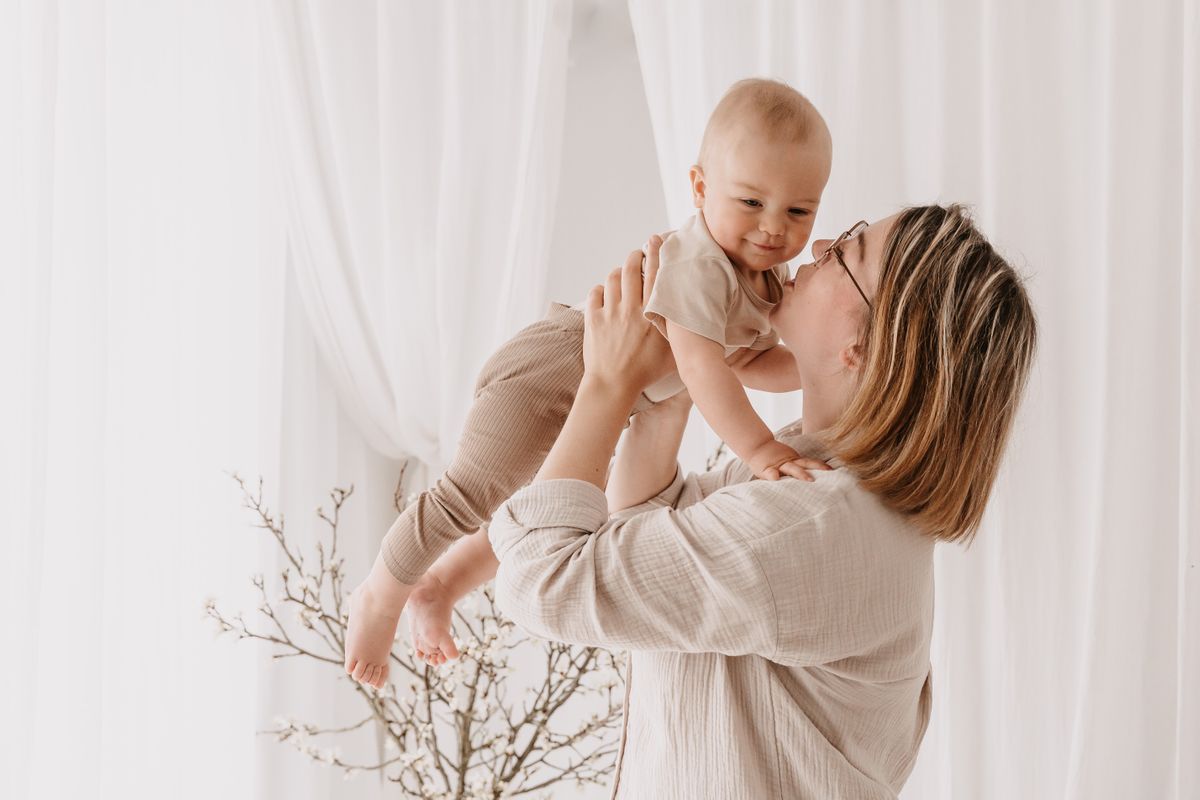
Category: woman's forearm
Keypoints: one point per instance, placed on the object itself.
(648, 456)
(589, 436)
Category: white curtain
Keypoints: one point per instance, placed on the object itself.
(130, 347)
(419, 149)
(414, 154)
(151, 338)
(1067, 645)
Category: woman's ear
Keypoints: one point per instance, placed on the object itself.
(853, 357)
(696, 175)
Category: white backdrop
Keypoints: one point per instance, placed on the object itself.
(130, 340)
(153, 335)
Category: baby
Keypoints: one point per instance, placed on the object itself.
(764, 160)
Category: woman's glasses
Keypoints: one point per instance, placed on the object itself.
(836, 250)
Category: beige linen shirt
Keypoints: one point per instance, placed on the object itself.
(779, 630)
(699, 289)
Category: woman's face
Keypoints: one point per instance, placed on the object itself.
(821, 314)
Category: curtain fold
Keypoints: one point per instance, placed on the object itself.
(418, 148)
(1065, 647)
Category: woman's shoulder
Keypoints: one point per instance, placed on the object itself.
(834, 503)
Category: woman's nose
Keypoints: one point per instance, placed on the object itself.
(820, 247)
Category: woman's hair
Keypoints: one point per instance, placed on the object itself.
(948, 348)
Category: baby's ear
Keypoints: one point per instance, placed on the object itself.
(696, 175)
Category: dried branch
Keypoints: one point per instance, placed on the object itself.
(451, 732)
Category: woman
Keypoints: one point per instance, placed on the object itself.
(780, 629)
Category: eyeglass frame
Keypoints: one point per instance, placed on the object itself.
(835, 248)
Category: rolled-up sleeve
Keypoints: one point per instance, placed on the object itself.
(653, 577)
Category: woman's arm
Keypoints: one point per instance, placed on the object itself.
(647, 459)
(622, 354)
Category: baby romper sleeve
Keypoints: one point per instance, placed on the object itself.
(694, 293)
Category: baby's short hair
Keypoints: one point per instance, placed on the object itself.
(771, 107)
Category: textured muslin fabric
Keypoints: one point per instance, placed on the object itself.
(699, 289)
(779, 631)
(522, 398)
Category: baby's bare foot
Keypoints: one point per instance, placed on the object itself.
(430, 608)
(374, 616)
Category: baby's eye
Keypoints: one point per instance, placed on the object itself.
(752, 203)
(799, 212)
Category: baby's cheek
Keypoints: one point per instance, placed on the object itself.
(803, 232)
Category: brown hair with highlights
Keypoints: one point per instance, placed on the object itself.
(948, 349)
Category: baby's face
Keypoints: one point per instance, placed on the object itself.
(760, 198)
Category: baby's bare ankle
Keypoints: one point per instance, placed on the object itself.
(384, 590)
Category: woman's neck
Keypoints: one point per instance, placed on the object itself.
(823, 403)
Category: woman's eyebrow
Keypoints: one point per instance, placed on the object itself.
(862, 247)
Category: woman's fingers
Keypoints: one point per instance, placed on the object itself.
(612, 288)
(595, 298)
(650, 268)
(631, 275)
(633, 279)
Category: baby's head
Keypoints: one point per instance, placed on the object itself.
(764, 162)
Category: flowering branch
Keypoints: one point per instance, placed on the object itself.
(451, 732)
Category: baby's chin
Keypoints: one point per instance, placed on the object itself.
(765, 261)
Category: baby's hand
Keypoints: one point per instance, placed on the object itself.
(775, 459)
(430, 608)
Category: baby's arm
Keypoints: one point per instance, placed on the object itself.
(770, 370)
(721, 399)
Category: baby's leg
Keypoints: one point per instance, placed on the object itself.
(521, 401)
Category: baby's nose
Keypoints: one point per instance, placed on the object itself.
(772, 227)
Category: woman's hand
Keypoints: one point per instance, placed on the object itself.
(619, 344)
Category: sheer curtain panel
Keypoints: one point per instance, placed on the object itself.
(419, 148)
(131, 321)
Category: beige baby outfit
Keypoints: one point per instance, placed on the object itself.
(699, 289)
(527, 387)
